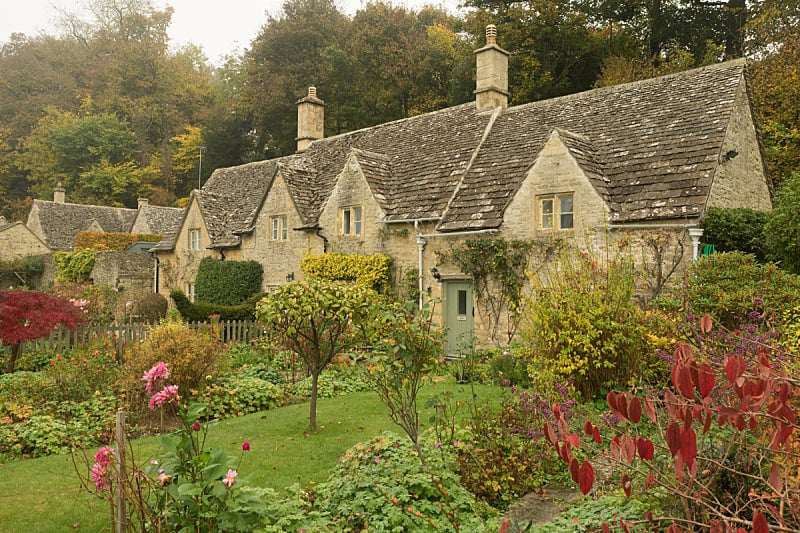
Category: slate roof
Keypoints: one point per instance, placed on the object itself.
(161, 220)
(650, 148)
(61, 222)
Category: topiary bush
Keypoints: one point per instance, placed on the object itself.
(736, 229)
(227, 282)
(199, 312)
(368, 270)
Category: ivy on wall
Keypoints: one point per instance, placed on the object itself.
(74, 266)
(112, 242)
(368, 270)
(227, 282)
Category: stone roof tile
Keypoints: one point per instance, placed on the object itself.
(61, 222)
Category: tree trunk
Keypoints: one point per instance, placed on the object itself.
(12, 359)
(312, 417)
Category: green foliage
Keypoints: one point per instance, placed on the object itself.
(730, 285)
(240, 394)
(227, 282)
(193, 357)
(150, 307)
(74, 266)
(97, 301)
(199, 312)
(589, 514)
(111, 242)
(318, 320)
(511, 365)
(368, 270)
(736, 229)
(27, 268)
(498, 269)
(381, 486)
(783, 225)
(334, 383)
(583, 325)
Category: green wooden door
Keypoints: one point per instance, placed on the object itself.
(459, 317)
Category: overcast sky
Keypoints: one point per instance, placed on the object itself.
(219, 26)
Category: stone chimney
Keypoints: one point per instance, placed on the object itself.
(143, 202)
(60, 194)
(310, 119)
(491, 89)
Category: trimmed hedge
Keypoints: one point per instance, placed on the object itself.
(735, 229)
(200, 311)
(111, 242)
(368, 270)
(227, 282)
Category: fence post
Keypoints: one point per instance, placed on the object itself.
(120, 516)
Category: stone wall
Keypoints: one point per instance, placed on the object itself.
(17, 241)
(179, 267)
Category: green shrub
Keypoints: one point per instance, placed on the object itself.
(238, 395)
(74, 266)
(191, 356)
(728, 286)
(368, 270)
(199, 312)
(335, 382)
(736, 229)
(227, 282)
(583, 325)
(98, 301)
(511, 365)
(151, 307)
(783, 225)
(370, 477)
(26, 268)
(77, 375)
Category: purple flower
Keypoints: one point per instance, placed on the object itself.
(164, 397)
(154, 375)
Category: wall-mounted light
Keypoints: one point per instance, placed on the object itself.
(436, 275)
(290, 277)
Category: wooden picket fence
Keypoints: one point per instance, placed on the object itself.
(229, 331)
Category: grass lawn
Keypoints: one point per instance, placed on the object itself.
(41, 495)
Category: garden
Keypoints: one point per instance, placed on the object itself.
(344, 416)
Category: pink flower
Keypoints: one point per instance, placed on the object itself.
(196, 426)
(99, 474)
(164, 397)
(154, 375)
(103, 456)
(230, 479)
(245, 446)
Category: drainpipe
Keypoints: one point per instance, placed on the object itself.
(420, 247)
(318, 231)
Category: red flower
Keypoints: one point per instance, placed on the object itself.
(245, 446)
(196, 426)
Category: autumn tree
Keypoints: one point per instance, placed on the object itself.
(317, 320)
(28, 315)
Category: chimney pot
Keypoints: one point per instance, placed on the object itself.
(310, 119)
(143, 202)
(60, 194)
(491, 34)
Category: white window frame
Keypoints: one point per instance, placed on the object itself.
(556, 213)
(352, 220)
(195, 239)
(279, 229)
(190, 291)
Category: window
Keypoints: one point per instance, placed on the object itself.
(195, 242)
(556, 212)
(351, 221)
(280, 229)
(190, 292)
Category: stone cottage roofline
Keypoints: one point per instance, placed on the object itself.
(59, 223)
(650, 148)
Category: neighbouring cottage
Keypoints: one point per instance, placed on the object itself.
(622, 162)
(17, 241)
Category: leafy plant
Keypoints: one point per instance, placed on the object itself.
(368, 270)
(783, 225)
(22, 269)
(74, 266)
(200, 311)
(735, 229)
(26, 315)
(317, 320)
(227, 282)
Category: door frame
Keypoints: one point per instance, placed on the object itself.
(448, 317)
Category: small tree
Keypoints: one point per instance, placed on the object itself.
(318, 320)
(406, 347)
(27, 315)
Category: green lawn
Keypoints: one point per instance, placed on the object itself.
(41, 495)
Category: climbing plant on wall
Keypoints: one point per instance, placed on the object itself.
(499, 270)
(74, 266)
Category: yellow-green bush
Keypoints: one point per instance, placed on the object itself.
(583, 325)
(74, 266)
(368, 270)
(109, 242)
(190, 355)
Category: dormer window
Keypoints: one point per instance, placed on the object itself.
(195, 242)
(280, 230)
(556, 212)
(351, 221)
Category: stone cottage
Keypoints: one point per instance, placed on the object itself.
(643, 157)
